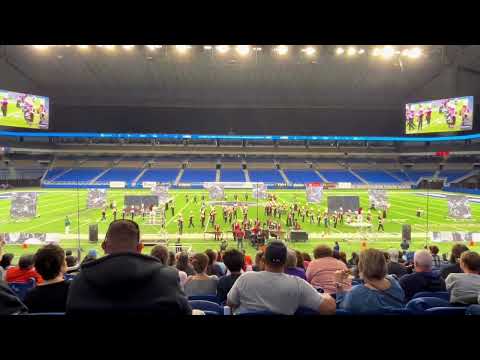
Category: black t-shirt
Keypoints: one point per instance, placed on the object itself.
(48, 298)
(397, 269)
(421, 281)
(449, 269)
(225, 283)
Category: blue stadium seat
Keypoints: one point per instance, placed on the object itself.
(421, 304)
(212, 298)
(267, 176)
(436, 294)
(206, 306)
(339, 176)
(451, 310)
(257, 313)
(159, 175)
(119, 174)
(303, 176)
(68, 277)
(80, 175)
(473, 310)
(198, 175)
(342, 312)
(303, 311)
(232, 175)
(21, 289)
(376, 177)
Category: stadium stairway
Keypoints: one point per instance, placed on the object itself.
(466, 176)
(393, 175)
(61, 174)
(99, 176)
(134, 181)
(179, 177)
(435, 174)
(320, 176)
(358, 176)
(284, 176)
(247, 175)
(217, 175)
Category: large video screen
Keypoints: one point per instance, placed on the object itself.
(23, 110)
(445, 115)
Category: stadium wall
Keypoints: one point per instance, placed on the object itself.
(248, 121)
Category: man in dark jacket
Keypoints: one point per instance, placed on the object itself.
(423, 279)
(125, 281)
(10, 304)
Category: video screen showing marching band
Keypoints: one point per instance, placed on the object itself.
(23, 110)
(436, 116)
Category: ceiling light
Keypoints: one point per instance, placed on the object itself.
(361, 51)
(243, 49)
(128, 47)
(222, 49)
(388, 51)
(83, 47)
(182, 49)
(415, 53)
(208, 47)
(41, 47)
(110, 47)
(281, 49)
(309, 50)
(351, 51)
(376, 52)
(340, 51)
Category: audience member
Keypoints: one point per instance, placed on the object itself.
(342, 256)
(300, 261)
(51, 295)
(436, 260)
(71, 261)
(306, 260)
(161, 253)
(423, 279)
(321, 271)
(291, 267)
(379, 290)
(125, 281)
(213, 268)
(220, 262)
(454, 266)
(234, 261)
(465, 288)
(24, 271)
(273, 290)
(91, 256)
(259, 265)
(353, 260)
(183, 264)
(393, 266)
(201, 283)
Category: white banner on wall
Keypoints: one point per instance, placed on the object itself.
(117, 184)
(344, 185)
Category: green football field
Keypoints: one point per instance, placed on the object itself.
(55, 204)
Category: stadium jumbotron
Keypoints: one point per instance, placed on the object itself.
(244, 147)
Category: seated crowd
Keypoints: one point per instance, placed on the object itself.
(280, 281)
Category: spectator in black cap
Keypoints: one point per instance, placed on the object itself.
(273, 290)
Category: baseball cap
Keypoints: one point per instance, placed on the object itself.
(276, 253)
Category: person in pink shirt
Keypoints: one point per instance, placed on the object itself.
(321, 271)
